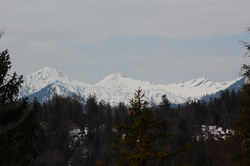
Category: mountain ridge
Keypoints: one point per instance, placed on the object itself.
(116, 88)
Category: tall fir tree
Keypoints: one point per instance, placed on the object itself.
(140, 143)
(242, 130)
(17, 118)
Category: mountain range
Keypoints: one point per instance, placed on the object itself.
(116, 88)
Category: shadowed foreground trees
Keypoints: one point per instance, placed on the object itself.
(242, 130)
(17, 119)
(142, 142)
(95, 119)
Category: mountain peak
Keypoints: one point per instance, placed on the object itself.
(114, 76)
(48, 68)
(45, 76)
(48, 71)
(111, 78)
(200, 80)
(49, 74)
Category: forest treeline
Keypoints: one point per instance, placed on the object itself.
(97, 120)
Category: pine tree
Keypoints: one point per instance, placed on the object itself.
(140, 143)
(242, 131)
(17, 118)
(9, 85)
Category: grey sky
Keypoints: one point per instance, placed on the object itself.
(161, 41)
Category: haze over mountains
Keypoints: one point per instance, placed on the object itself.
(116, 88)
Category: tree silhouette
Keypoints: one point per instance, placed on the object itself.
(141, 143)
(17, 118)
(242, 132)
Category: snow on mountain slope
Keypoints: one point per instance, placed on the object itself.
(198, 87)
(116, 80)
(116, 88)
(42, 78)
(119, 88)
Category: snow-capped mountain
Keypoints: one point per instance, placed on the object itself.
(116, 88)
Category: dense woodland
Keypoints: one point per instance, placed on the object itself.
(95, 147)
(68, 131)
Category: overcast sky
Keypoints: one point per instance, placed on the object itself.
(161, 41)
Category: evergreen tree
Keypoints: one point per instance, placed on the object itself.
(242, 133)
(94, 122)
(17, 118)
(9, 85)
(141, 143)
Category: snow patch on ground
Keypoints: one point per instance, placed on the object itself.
(214, 132)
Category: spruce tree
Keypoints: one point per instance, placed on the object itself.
(141, 143)
(242, 130)
(17, 118)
